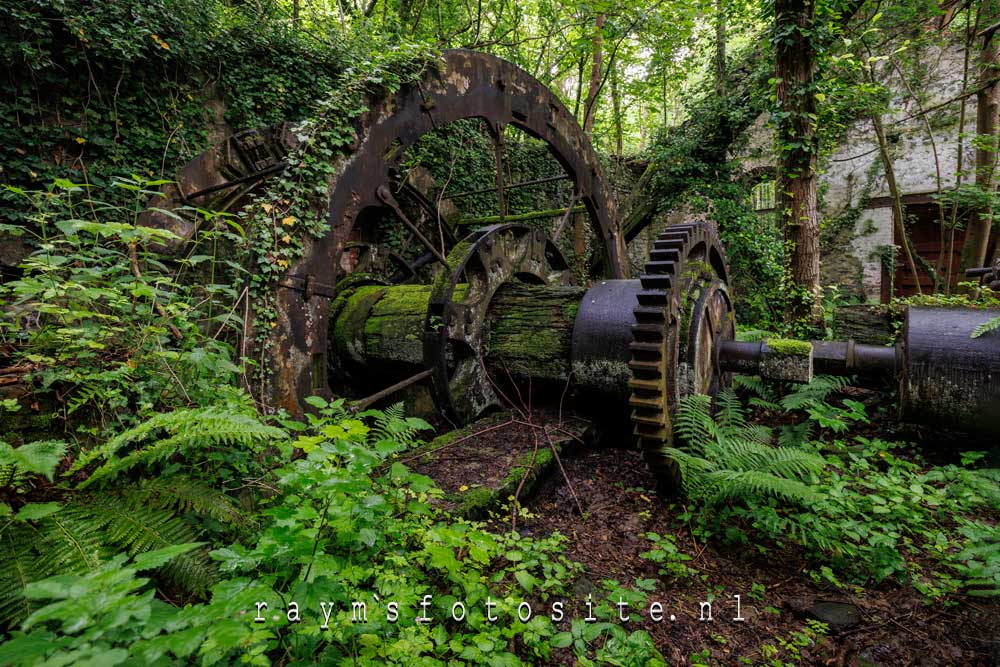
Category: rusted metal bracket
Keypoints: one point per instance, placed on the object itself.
(308, 285)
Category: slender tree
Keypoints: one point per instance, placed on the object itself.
(977, 235)
(797, 151)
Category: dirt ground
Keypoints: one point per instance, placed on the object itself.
(896, 625)
(886, 626)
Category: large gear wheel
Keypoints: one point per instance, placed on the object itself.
(684, 313)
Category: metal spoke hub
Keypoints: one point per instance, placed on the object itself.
(453, 332)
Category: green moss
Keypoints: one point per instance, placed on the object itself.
(348, 329)
(454, 258)
(787, 347)
(476, 501)
(570, 310)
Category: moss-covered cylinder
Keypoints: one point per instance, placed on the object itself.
(378, 331)
(530, 331)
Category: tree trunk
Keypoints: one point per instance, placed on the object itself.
(590, 109)
(797, 153)
(720, 47)
(977, 234)
(579, 87)
(616, 103)
(897, 201)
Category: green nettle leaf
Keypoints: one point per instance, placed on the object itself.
(37, 457)
(525, 579)
(36, 511)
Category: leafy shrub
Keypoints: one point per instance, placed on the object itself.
(345, 523)
(103, 326)
(873, 510)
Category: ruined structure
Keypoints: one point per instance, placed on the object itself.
(502, 311)
(855, 198)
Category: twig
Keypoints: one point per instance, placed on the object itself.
(572, 490)
(562, 397)
(528, 471)
(232, 310)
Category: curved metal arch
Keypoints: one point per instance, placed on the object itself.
(467, 84)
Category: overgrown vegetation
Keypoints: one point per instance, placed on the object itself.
(865, 509)
(152, 510)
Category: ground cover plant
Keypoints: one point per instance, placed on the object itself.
(154, 509)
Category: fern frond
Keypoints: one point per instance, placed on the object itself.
(187, 429)
(17, 570)
(731, 484)
(758, 433)
(136, 529)
(794, 435)
(68, 542)
(58, 543)
(694, 423)
(729, 412)
(185, 495)
(392, 424)
(693, 469)
(987, 326)
(814, 392)
(755, 385)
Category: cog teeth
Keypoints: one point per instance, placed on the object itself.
(649, 418)
(647, 367)
(646, 314)
(645, 333)
(656, 281)
(652, 298)
(651, 386)
(665, 255)
(655, 317)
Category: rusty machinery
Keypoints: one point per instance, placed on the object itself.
(502, 312)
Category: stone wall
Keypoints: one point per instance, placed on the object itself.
(853, 177)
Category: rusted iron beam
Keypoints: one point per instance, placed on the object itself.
(512, 186)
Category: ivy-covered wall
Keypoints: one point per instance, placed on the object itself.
(924, 135)
(93, 90)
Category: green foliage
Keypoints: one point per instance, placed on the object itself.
(293, 208)
(186, 432)
(114, 87)
(95, 317)
(987, 326)
(665, 553)
(347, 523)
(725, 458)
(978, 563)
(878, 510)
(40, 458)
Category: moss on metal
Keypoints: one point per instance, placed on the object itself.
(786, 359)
(787, 347)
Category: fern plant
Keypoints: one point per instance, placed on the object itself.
(393, 424)
(83, 531)
(726, 458)
(86, 523)
(989, 325)
(180, 432)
